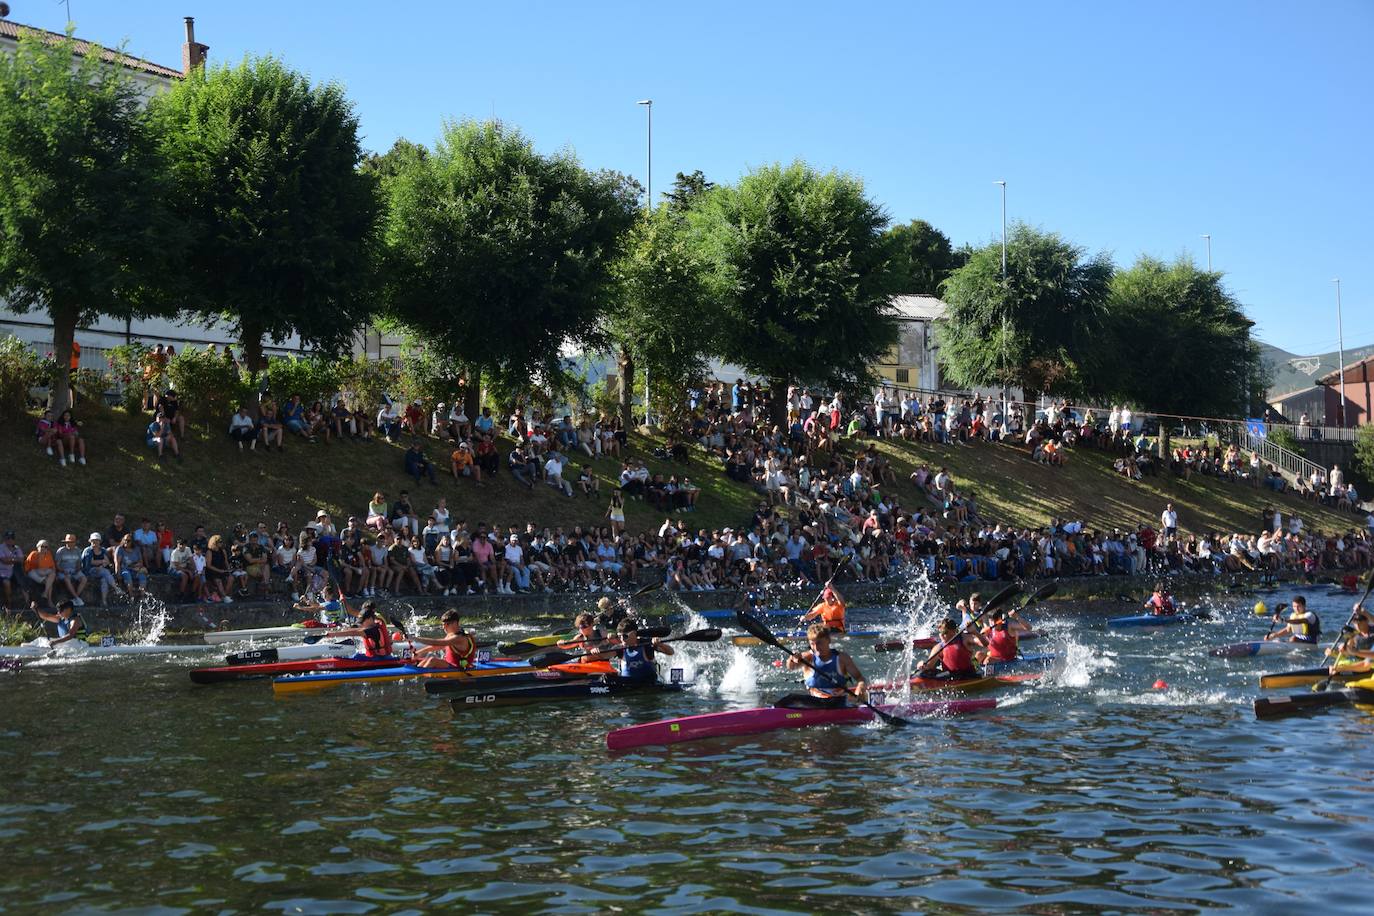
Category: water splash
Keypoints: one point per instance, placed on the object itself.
(150, 621)
(1078, 662)
(741, 678)
(920, 608)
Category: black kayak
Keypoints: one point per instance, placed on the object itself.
(449, 687)
(1295, 704)
(565, 689)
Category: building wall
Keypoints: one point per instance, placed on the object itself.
(913, 362)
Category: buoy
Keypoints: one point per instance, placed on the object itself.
(1261, 609)
(1161, 685)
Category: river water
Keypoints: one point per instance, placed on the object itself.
(127, 788)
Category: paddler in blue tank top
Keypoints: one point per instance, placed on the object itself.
(69, 626)
(637, 658)
(455, 649)
(828, 675)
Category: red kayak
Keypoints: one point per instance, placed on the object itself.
(273, 669)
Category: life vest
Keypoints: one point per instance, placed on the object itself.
(1002, 645)
(376, 641)
(1162, 604)
(832, 614)
(1306, 629)
(824, 676)
(463, 661)
(637, 663)
(955, 657)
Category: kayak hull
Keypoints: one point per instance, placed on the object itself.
(764, 719)
(516, 677)
(571, 689)
(1146, 620)
(219, 637)
(230, 673)
(1261, 647)
(1299, 703)
(1307, 677)
(1022, 663)
(85, 650)
(324, 680)
(343, 649)
(930, 642)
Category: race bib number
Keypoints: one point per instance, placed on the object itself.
(484, 655)
(675, 676)
(106, 642)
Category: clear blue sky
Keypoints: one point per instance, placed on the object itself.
(1127, 128)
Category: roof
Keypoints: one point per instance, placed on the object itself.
(1334, 377)
(1308, 391)
(919, 308)
(12, 30)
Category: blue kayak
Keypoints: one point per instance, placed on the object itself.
(1021, 662)
(319, 680)
(1146, 620)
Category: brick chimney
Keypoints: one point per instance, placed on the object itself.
(193, 53)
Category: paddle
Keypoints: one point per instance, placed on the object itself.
(562, 658)
(391, 619)
(761, 632)
(1273, 620)
(999, 599)
(526, 648)
(1340, 637)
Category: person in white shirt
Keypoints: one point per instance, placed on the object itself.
(1126, 419)
(553, 473)
(243, 429)
(1114, 419)
(1168, 520)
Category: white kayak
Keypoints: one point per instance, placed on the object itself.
(1262, 647)
(219, 637)
(75, 648)
(343, 648)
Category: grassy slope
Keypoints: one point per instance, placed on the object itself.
(218, 486)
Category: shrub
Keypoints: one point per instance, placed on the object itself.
(363, 382)
(1282, 436)
(134, 373)
(429, 378)
(209, 386)
(20, 370)
(312, 378)
(1364, 451)
(90, 385)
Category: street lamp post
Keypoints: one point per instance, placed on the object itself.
(1209, 252)
(1340, 344)
(1004, 316)
(1004, 227)
(648, 205)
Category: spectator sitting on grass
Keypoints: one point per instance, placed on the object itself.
(487, 459)
(169, 405)
(591, 486)
(522, 467)
(464, 464)
(270, 428)
(67, 434)
(413, 419)
(389, 421)
(293, 417)
(160, 436)
(340, 421)
(403, 517)
(242, 428)
(553, 474)
(317, 422)
(417, 465)
(67, 564)
(378, 512)
(362, 424)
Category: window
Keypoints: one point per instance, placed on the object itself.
(903, 376)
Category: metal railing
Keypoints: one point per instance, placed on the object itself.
(1318, 433)
(1293, 466)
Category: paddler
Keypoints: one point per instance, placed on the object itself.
(589, 636)
(828, 673)
(1161, 603)
(375, 636)
(970, 611)
(1303, 626)
(955, 658)
(1003, 635)
(637, 658)
(455, 649)
(68, 624)
(609, 614)
(829, 607)
(1357, 644)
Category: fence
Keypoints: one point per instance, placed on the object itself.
(1292, 465)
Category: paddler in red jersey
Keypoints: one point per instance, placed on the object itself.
(1161, 603)
(1003, 637)
(955, 660)
(374, 633)
(828, 671)
(589, 636)
(455, 649)
(829, 607)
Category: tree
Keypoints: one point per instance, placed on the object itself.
(83, 226)
(687, 190)
(1190, 347)
(1038, 329)
(498, 256)
(922, 257)
(282, 224)
(1364, 451)
(798, 268)
(385, 166)
(660, 318)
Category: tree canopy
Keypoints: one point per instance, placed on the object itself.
(84, 228)
(1039, 329)
(499, 255)
(280, 221)
(1179, 342)
(922, 257)
(798, 269)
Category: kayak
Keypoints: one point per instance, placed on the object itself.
(1261, 647)
(930, 642)
(1362, 691)
(219, 637)
(1307, 677)
(1041, 661)
(323, 680)
(275, 669)
(1298, 703)
(537, 644)
(773, 718)
(961, 685)
(39, 648)
(1146, 620)
(574, 689)
(515, 677)
(344, 648)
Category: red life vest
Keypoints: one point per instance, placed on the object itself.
(461, 661)
(1162, 606)
(955, 657)
(376, 641)
(1001, 644)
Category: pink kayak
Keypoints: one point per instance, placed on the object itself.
(772, 718)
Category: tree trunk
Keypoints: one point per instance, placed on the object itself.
(1164, 444)
(625, 365)
(777, 407)
(63, 333)
(472, 394)
(250, 339)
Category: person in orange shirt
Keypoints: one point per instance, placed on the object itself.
(464, 465)
(829, 607)
(41, 567)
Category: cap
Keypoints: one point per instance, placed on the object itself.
(95, 536)
(9, 534)
(42, 542)
(321, 514)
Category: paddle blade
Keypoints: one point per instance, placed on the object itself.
(746, 640)
(1002, 597)
(391, 619)
(756, 628)
(1045, 591)
(707, 635)
(652, 586)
